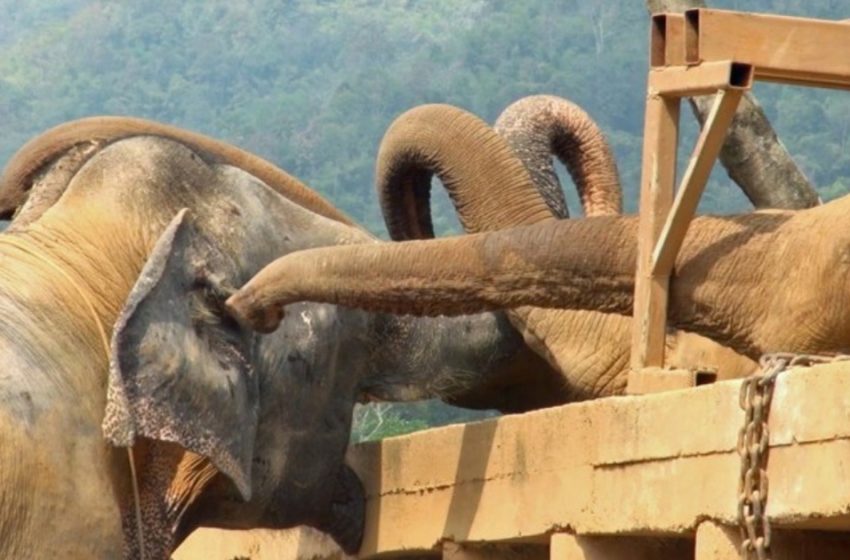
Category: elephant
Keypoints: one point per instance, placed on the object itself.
(762, 282)
(491, 189)
(116, 336)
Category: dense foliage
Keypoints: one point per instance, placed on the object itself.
(313, 84)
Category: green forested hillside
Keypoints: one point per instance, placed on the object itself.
(313, 84)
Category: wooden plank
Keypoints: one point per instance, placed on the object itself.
(661, 128)
(700, 79)
(694, 180)
(631, 481)
(785, 49)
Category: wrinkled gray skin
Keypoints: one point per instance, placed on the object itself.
(272, 413)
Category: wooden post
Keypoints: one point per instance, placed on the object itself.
(693, 183)
(495, 551)
(661, 132)
(723, 542)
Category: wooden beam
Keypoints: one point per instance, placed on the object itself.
(661, 130)
(674, 43)
(783, 49)
(701, 79)
(693, 182)
(657, 40)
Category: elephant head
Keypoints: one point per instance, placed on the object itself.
(229, 429)
(491, 190)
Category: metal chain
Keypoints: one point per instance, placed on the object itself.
(753, 441)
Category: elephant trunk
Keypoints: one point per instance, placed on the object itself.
(450, 276)
(486, 181)
(541, 125)
(729, 270)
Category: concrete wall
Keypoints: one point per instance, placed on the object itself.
(655, 465)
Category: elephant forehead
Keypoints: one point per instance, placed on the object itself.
(152, 178)
(257, 225)
(144, 167)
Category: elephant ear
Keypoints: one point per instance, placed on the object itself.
(178, 368)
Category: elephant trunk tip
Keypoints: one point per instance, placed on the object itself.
(243, 306)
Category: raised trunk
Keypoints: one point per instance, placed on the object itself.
(535, 127)
(487, 182)
(756, 159)
(457, 150)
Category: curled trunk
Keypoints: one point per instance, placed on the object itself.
(482, 170)
(540, 126)
(486, 181)
(588, 349)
